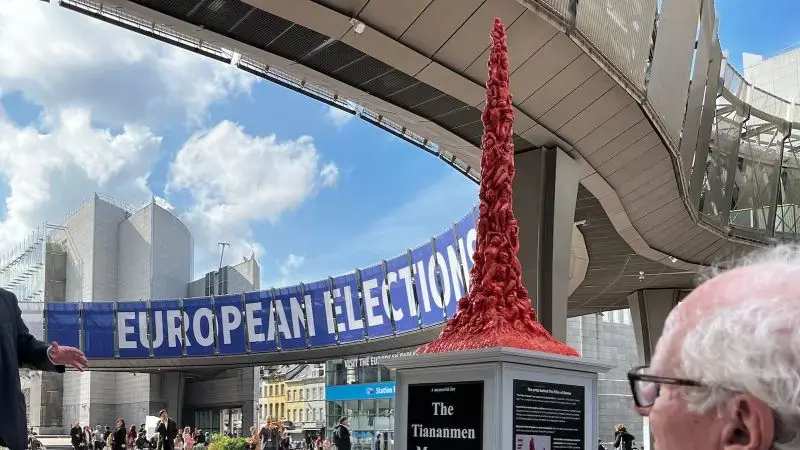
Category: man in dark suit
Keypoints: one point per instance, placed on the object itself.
(18, 348)
(167, 431)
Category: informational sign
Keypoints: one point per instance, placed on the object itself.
(418, 289)
(548, 416)
(445, 416)
(366, 391)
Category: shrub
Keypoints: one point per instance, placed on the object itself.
(219, 442)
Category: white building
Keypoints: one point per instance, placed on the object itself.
(779, 75)
(106, 251)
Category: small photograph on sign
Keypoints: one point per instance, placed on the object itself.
(533, 442)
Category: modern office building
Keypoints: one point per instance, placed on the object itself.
(106, 251)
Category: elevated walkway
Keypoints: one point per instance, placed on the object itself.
(683, 162)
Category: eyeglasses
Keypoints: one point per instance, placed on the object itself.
(645, 387)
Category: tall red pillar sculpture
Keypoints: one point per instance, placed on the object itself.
(497, 311)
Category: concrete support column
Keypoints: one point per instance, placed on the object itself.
(545, 191)
(649, 311)
(174, 386)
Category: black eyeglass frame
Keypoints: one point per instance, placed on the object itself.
(634, 376)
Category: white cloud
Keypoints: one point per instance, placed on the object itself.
(51, 170)
(329, 174)
(339, 117)
(236, 179)
(61, 59)
(291, 263)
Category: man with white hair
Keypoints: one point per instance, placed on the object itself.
(725, 374)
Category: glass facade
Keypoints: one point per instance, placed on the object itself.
(362, 390)
(745, 181)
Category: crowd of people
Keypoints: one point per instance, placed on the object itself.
(167, 436)
(274, 436)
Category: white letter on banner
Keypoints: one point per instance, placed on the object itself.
(352, 323)
(297, 315)
(143, 329)
(391, 278)
(423, 285)
(328, 311)
(338, 308)
(231, 320)
(309, 315)
(186, 328)
(465, 253)
(271, 323)
(437, 296)
(283, 324)
(123, 329)
(208, 340)
(447, 286)
(405, 275)
(174, 330)
(158, 335)
(370, 302)
(455, 272)
(253, 322)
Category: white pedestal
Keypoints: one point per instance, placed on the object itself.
(495, 398)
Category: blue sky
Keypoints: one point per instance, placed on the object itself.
(387, 195)
(761, 27)
(90, 107)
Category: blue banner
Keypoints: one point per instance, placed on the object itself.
(64, 323)
(347, 309)
(260, 312)
(467, 240)
(198, 325)
(132, 336)
(230, 324)
(167, 328)
(448, 267)
(291, 318)
(321, 328)
(98, 329)
(377, 311)
(400, 285)
(430, 302)
(360, 391)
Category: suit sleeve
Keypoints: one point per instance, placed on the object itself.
(32, 352)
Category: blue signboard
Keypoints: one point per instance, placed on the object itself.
(467, 240)
(98, 329)
(291, 318)
(261, 329)
(417, 289)
(64, 323)
(321, 328)
(347, 308)
(377, 311)
(230, 324)
(400, 285)
(448, 266)
(360, 391)
(132, 330)
(198, 324)
(166, 323)
(426, 284)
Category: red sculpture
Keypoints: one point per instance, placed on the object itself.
(497, 311)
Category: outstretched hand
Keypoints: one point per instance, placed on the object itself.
(68, 356)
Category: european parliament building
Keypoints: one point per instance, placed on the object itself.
(105, 250)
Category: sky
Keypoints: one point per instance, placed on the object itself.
(762, 27)
(88, 107)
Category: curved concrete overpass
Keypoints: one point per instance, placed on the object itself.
(655, 117)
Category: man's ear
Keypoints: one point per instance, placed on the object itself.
(750, 424)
